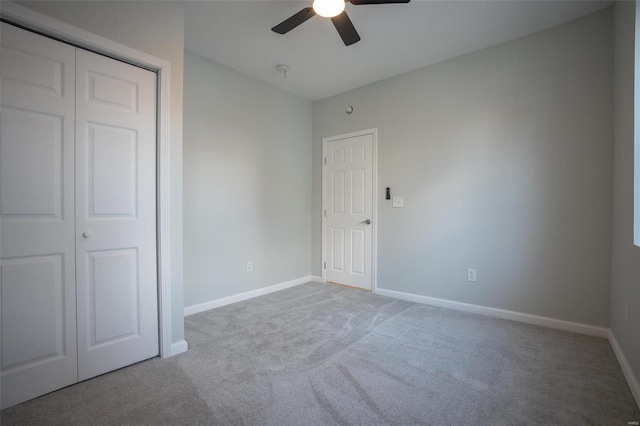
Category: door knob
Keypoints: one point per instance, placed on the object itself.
(365, 222)
(86, 234)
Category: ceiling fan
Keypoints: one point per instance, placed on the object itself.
(333, 9)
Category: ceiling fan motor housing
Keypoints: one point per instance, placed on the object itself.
(333, 9)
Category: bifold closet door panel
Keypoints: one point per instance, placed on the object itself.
(115, 214)
(37, 231)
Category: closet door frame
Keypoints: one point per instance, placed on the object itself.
(48, 26)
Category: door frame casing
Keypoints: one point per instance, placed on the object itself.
(48, 26)
(374, 200)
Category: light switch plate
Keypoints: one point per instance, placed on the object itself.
(397, 202)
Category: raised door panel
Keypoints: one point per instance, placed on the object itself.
(358, 193)
(116, 214)
(33, 325)
(337, 242)
(112, 171)
(358, 251)
(338, 192)
(33, 139)
(114, 291)
(112, 91)
(37, 276)
(24, 65)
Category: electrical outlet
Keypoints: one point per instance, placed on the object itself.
(250, 266)
(471, 275)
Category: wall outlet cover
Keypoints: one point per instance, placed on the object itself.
(398, 202)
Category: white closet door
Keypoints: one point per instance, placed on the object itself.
(37, 275)
(115, 214)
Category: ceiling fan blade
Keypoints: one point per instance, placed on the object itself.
(360, 2)
(346, 29)
(297, 19)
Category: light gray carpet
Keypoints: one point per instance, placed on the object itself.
(319, 354)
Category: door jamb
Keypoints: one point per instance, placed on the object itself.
(65, 32)
(374, 201)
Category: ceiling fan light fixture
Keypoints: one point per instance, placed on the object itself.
(328, 8)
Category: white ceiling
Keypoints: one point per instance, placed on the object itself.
(395, 38)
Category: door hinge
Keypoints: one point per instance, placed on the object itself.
(325, 265)
(325, 161)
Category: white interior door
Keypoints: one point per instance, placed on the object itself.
(348, 209)
(78, 269)
(37, 275)
(115, 214)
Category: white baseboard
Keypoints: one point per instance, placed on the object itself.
(212, 304)
(179, 347)
(499, 313)
(632, 381)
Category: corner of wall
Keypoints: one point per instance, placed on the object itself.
(625, 273)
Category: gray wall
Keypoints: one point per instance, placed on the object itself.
(504, 158)
(625, 286)
(156, 28)
(247, 180)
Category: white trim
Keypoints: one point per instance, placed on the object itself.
(62, 31)
(374, 235)
(316, 278)
(374, 201)
(179, 347)
(632, 381)
(574, 327)
(212, 304)
(636, 130)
